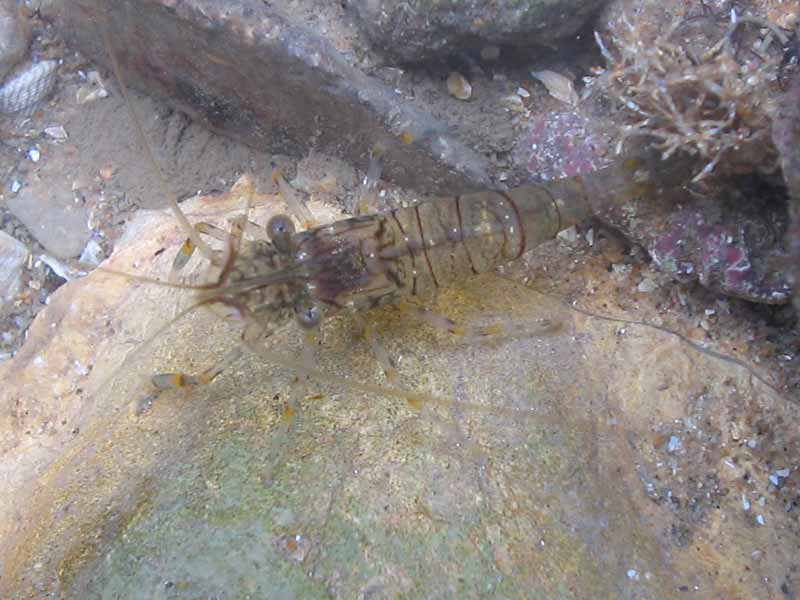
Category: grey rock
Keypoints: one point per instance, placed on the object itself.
(13, 254)
(415, 30)
(53, 217)
(272, 81)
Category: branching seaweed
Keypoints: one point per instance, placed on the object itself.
(711, 100)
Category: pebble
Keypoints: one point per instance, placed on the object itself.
(646, 286)
(560, 87)
(513, 103)
(51, 215)
(93, 90)
(13, 255)
(34, 154)
(15, 186)
(620, 269)
(92, 254)
(458, 86)
(674, 444)
(57, 132)
(570, 234)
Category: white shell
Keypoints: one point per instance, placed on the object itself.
(458, 86)
(560, 87)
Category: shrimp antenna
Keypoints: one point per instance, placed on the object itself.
(148, 150)
(153, 281)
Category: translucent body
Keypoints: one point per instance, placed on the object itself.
(367, 261)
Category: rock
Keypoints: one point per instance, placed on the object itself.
(15, 35)
(458, 86)
(51, 215)
(271, 80)
(786, 136)
(13, 254)
(562, 144)
(539, 463)
(417, 30)
(734, 252)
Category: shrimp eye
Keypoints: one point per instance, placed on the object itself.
(308, 314)
(280, 230)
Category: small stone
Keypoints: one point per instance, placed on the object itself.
(620, 269)
(92, 254)
(523, 93)
(782, 473)
(589, 235)
(674, 444)
(51, 215)
(646, 286)
(34, 154)
(62, 270)
(570, 235)
(458, 86)
(94, 90)
(106, 173)
(513, 103)
(57, 132)
(773, 479)
(633, 574)
(560, 87)
(15, 186)
(13, 255)
(761, 520)
(745, 503)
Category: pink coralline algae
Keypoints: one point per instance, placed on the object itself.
(719, 257)
(563, 145)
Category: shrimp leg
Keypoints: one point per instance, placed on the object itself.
(188, 248)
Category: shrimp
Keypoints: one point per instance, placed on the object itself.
(212, 499)
(400, 257)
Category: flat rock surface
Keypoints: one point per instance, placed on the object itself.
(608, 458)
(52, 215)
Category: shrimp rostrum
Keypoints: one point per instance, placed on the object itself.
(397, 257)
